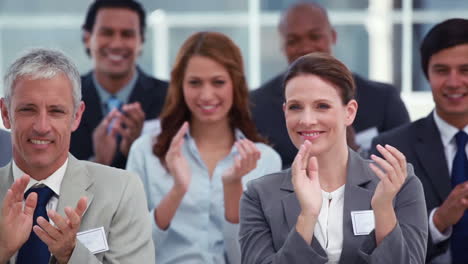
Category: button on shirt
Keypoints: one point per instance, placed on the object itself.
(53, 182)
(198, 233)
(329, 227)
(447, 135)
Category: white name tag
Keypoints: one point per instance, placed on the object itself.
(94, 240)
(363, 222)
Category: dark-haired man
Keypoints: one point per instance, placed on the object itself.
(118, 95)
(436, 145)
(305, 28)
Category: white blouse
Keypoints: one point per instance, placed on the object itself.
(329, 228)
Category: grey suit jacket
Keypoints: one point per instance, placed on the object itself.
(116, 201)
(269, 211)
(5, 147)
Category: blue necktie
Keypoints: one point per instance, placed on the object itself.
(113, 103)
(459, 240)
(34, 250)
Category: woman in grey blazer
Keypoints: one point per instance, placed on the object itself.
(332, 206)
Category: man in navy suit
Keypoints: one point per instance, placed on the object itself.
(432, 144)
(118, 95)
(5, 147)
(305, 28)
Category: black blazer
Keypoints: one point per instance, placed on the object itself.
(380, 106)
(420, 142)
(150, 92)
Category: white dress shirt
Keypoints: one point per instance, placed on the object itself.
(329, 228)
(53, 182)
(447, 136)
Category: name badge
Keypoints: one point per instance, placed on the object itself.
(94, 240)
(363, 222)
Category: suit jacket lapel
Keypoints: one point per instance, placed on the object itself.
(430, 152)
(359, 190)
(75, 184)
(6, 180)
(93, 111)
(140, 92)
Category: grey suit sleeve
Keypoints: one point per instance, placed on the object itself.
(129, 235)
(406, 243)
(256, 239)
(395, 111)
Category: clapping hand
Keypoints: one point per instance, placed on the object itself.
(16, 221)
(306, 182)
(244, 162)
(392, 174)
(176, 162)
(61, 238)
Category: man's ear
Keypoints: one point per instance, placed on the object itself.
(77, 117)
(5, 113)
(334, 36)
(86, 38)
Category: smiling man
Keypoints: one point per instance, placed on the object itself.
(42, 107)
(118, 95)
(437, 144)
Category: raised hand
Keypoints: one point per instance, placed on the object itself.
(244, 162)
(453, 208)
(61, 239)
(176, 162)
(132, 123)
(16, 222)
(306, 182)
(392, 174)
(105, 138)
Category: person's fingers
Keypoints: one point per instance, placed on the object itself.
(7, 203)
(58, 220)
(393, 162)
(297, 166)
(401, 159)
(81, 206)
(389, 170)
(380, 174)
(180, 134)
(52, 231)
(30, 204)
(313, 168)
(43, 235)
(305, 158)
(134, 112)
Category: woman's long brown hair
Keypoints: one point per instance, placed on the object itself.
(221, 49)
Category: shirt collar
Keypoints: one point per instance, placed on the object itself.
(447, 131)
(123, 94)
(53, 181)
(237, 136)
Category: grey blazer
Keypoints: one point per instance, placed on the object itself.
(269, 210)
(5, 147)
(116, 201)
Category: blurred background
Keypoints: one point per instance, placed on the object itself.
(378, 39)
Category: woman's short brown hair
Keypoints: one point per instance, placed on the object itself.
(326, 67)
